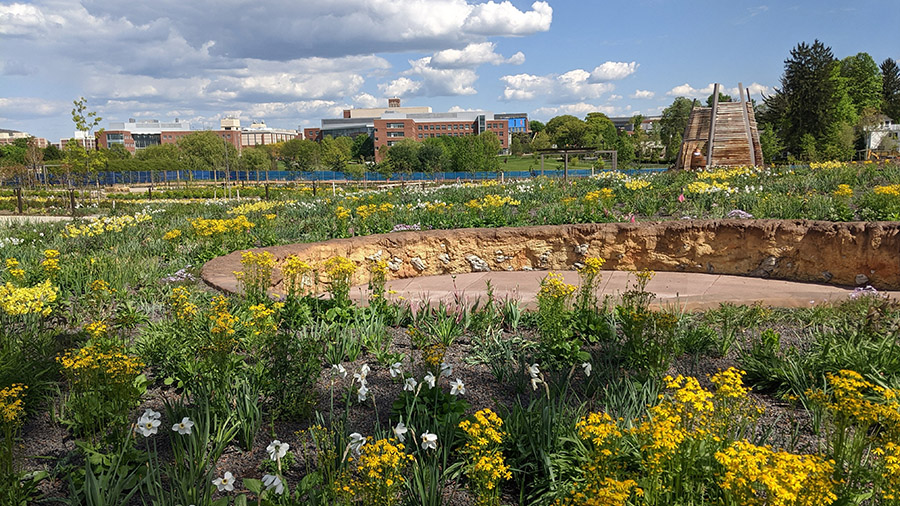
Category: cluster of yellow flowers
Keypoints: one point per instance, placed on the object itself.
(96, 329)
(12, 406)
(50, 263)
(101, 288)
(890, 473)
(892, 190)
(180, 303)
(591, 266)
(295, 273)
(437, 206)
(602, 195)
(553, 286)
(485, 467)
(859, 401)
(492, 201)
(255, 207)
(758, 475)
(843, 190)
(206, 228)
(19, 301)
(368, 210)
(223, 321)
(832, 164)
(97, 361)
(14, 269)
(602, 492)
(262, 318)
(380, 467)
(637, 184)
(171, 235)
(723, 174)
(339, 268)
(704, 187)
(599, 429)
(341, 212)
(257, 273)
(100, 226)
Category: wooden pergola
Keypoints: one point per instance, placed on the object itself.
(566, 151)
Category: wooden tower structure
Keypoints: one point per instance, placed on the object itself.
(725, 134)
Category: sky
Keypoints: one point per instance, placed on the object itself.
(294, 62)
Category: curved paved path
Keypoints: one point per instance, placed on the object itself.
(689, 291)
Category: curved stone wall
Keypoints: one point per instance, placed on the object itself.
(850, 254)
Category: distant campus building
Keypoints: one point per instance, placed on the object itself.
(390, 125)
(137, 135)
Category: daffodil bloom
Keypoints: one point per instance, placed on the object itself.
(357, 441)
(429, 441)
(184, 427)
(400, 431)
(153, 415)
(533, 370)
(362, 393)
(338, 370)
(148, 426)
(430, 379)
(446, 369)
(277, 450)
(272, 481)
(410, 384)
(396, 369)
(361, 375)
(225, 483)
(587, 368)
(457, 387)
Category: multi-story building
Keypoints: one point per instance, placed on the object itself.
(8, 137)
(81, 138)
(137, 135)
(518, 122)
(392, 128)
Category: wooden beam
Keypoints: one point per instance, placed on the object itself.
(712, 126)
(747, 124)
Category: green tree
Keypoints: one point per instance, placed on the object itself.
(432, 156)
(890, 89)
(771, 146)
(863, 81)
(535, 126)
(673, 122)
(404, 156)
(600, 132)
(363, 148)
(255, 159)
(84, 161)
(487, 147)
(541, 141)
(805, 103)
(51, 152)
(207, 151)
(722, 98)
(335, 152)
(567, 130)
(118, 152)
(300, 154)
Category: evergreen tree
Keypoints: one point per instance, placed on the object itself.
(890, 89)
(863, 81)
(672, 124)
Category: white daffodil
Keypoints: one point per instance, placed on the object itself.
(184, 427)
(410, 384)
(148, 426)
(153, 415)
(277, 449)
(533, 370)
(273, 482)
(396, 369)
(430, 379)
(357, 441)
(225, 483)
(361, 375)
(362, 393)
(338, 370)
(457, 387)
(429, 441)
(400, 431)
(587, 368)
(446, 369)
(535, 382)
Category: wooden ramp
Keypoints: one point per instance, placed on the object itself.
(726, 134)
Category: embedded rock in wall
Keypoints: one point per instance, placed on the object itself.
(812, 251)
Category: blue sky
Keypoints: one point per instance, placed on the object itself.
(293, 62)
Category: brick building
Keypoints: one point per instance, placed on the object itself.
(394, 127)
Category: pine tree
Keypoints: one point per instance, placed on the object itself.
(890, 89)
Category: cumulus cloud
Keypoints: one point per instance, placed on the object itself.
(472, 56)
(430, 81)
(579, 109)
(19, 107)
(505, 19)
(26, 20)
(366, 101)
(643, 94)
(613, 71)
(686, 90)
(574, 85)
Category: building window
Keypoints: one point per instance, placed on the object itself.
(395, 134)
(420, 136)
(420, 127)
(394, 125)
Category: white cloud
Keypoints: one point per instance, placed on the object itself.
(580, 109)
(457, 108)
(472, 56)
(574, 85)
(615, 97)
(25, 19)
(643, 94)
(431, 81)
(613, 71)
(686, 90)
(401, 87)
(366, 101)
(491, 19)
(20, 107)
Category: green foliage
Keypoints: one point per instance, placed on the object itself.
(673, 121)
(890, 88)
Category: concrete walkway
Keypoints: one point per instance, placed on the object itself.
(688, 291)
